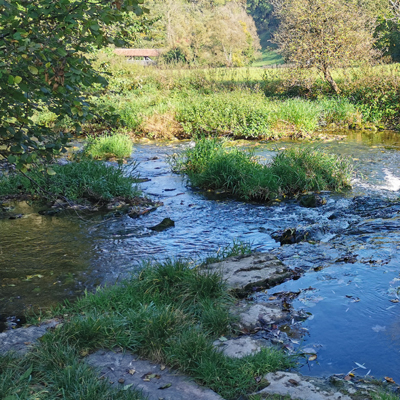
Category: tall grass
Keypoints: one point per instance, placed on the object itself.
(109, 145)
(88, 179)
(54, 371)
(210, 165)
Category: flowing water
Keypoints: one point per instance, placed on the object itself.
(351, 287)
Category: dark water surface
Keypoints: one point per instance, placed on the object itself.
(46, 259)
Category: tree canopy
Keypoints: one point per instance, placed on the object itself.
(43, 63)
(325, 34)
(203, 32)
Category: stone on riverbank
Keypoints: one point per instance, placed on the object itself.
(298, 387)
(126, 370)
(252, 316)
(250, 273)
(240, 347)
(20, 340)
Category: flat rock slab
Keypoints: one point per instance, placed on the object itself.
(249, 273)
(20, 340)
(256, 315)
(123, 369)
(240, 347)
(297, 387)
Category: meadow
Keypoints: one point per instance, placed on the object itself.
(250, 103)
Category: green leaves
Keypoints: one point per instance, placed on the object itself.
(33, 70)
(43, 64)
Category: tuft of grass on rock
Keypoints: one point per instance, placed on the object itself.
(116, 145)
(210, 165)
(87, 179)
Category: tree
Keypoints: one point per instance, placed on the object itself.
(261, 11)
(43, 63)
(325, 34)
(204, 32)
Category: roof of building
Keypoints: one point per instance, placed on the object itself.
(137, 52)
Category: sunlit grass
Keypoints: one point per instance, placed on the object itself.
(211, 166)
(109, 145)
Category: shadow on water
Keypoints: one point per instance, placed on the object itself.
(46, 259)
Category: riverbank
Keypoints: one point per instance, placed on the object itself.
(223, 350)
(202, 225)
(241, 103)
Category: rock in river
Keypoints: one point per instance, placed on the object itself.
(163, 225)
(249, 273)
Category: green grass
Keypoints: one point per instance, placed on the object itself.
(385, 396)
(169, 313)
(237, 113)
(54, 371)
(237, 248)
(210, 165)
(109, 145)
(87, 179)
(242, 102)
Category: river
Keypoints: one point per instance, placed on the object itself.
(353, 311)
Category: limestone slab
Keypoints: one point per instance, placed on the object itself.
(249, 273)
(294, 385)
(125, 370)
(240, 347)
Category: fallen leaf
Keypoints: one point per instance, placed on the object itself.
(147, 377)
(162, 367)
(359, 365)
(347, 378)
(395, 300)
(126, 387)
(166, 386)
(293, 382)
(84, 353)
(351, 374)
(121, 380)
(222, 339)
(390, 380)
(132, 371)
(312, 358)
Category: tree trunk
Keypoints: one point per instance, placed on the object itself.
(329, 79)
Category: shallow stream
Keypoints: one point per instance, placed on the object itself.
(353, 311)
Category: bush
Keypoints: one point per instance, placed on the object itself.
(88, 179)
(210, 165)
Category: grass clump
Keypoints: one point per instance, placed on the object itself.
(116, 145)
(87, 179)
(51, 371)
(210, 165)
(384, 396)
(169, 313)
